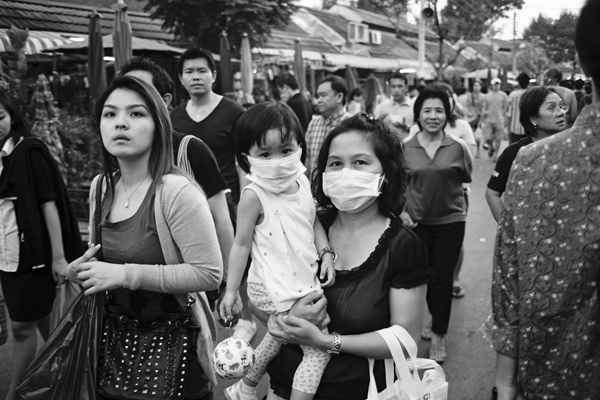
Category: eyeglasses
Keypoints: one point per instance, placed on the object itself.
(558, 109)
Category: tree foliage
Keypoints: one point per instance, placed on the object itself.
(202, 21)
(459, 19)
(470, 19)
(555, 36)
(532, 58)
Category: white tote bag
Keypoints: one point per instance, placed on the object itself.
(410, 385)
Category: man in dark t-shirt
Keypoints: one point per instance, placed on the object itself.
(207, 115)
(211, 117)
(289, 91)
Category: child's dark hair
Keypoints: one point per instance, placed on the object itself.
(252, 127)
(389, 150)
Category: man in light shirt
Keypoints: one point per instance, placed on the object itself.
(397, 113)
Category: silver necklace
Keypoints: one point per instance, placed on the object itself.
(127, 194)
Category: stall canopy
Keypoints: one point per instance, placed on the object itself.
(137, 45)
(37, 41)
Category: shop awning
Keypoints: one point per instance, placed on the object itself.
(341, 60)
(37, 41)
(306, 54)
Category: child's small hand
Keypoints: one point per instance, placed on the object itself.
(327, 272)
(229, 307)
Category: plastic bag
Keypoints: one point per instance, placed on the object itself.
(65, 368)
(3, 323)
(65, 296)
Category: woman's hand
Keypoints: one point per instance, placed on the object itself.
(327, 275)
(296, 330)
(99, 276)
(59, 270)
(87, 256)
(313, 308)
(407, 220)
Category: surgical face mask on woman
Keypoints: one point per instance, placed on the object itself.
(351, 190)
(276, 175)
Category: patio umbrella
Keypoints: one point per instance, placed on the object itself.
(121, 35)
(96, 71)
(246, 67)
(299, 66)
(45, 121)
(351, 78)
(226, 76)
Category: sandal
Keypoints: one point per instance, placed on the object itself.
(458, 291)
(437, 353)
(426, 334)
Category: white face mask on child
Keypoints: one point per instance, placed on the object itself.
(276, 175)
(349, 190)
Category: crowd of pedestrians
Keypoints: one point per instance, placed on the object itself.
(325, 228)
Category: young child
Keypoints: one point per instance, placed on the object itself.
(277, 223)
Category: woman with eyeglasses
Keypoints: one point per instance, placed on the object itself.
(542, 115)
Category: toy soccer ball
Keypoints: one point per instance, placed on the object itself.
(233, 358)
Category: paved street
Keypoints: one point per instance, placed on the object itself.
(470, 365)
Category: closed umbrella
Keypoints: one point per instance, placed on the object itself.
(299, 66)
(246, 68)
(225, 63)
(351, 78)
(122, 50)
(96, 71)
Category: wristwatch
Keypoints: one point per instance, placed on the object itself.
(337, 344)
(328, 250)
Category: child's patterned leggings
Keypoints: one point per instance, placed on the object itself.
(309, 372)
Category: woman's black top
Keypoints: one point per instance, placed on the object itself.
(359, 303)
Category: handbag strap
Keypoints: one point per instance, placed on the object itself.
(98, 218)
(393, 337)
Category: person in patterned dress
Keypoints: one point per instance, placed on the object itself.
(545, 325)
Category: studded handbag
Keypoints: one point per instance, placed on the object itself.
(145, 358)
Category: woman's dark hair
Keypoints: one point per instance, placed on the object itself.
(19, 126)
(161, 154)
(431, 94)
(353, 93)
(388, 149)
(442, 86)
(252, 126)
(529, 106)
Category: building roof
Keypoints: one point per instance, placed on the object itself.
(282, 44)
(336, 22)
(43, 15)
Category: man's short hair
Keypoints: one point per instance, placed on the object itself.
(398, 75)
(338, 84)
(588, 48)
(523, 80)
(160, 77)
(194, 53)
(579, 83)
(289, 80)
(554, 74)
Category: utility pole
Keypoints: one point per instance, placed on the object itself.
(422, 42)
(515, 46)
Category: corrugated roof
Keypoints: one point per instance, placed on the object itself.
(284, 40)
(336, 22)
(69, 18)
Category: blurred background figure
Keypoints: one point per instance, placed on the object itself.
(289, 91)
(515, 129)
(373, 94)
(356, 102)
